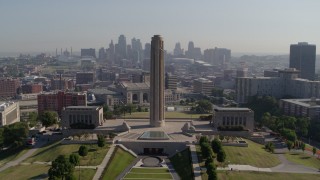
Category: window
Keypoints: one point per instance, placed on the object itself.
(224, 122)
(244, 121)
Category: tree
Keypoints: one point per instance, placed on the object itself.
(303, 146)
(203, 106)
(74, 159)
(101, 140)
(217, 92)
(33, 119)
(182, 102)
(203, 139)
(15, 134)
(60, 168)
(211, 171)
(289, 145)
(48, 118)
(227, 138)
(206, 150)
(1, 138)
(302, 125)
(221, 137)
(83, 150)
(314, 150)
(216, 145)
(221, 156)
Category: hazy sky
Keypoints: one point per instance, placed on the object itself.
(256, 26)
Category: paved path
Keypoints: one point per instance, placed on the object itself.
(291, 167)
(24, 156)
(195, 163)
(173, 172)
(104, 163)
(285, 167)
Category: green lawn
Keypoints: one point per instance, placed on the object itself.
(51, 152)
(118, 162)
(303, 159)
(182, 164)
(149, 173)
(10, 155)
(37, 171)
(84, 173)
(22, 172)
(246, 175)
(168, 115)
(254, 155)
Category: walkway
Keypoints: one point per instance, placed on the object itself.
(285, 167)
(195, 163)
(38, 145)
(104, 163)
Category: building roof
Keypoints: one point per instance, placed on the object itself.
(315, 103)
(102, 91)
(221, 109)
(135, 86)
(82, 107)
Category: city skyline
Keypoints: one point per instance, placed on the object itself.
(244, 27)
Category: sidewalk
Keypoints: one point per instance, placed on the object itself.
(104, 163)
(195, 163)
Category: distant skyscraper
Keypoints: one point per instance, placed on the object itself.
(122, 46)
(177, 50)
(303, 58)
(157, 82)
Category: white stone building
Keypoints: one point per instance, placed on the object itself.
(9, 113)
(89, 115)
(287, 84)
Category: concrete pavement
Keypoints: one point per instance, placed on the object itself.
(195, 163)
(24, 156)
(104, 163)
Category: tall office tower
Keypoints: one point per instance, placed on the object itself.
(303, 58)
(157, 82)
(111, 52)
(122, 47)
(177, 50)
(102, 54)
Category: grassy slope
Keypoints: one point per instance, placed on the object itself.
(253, 155)
(84, 173)
(182, 164)
(118, 162)
(304, 159)
(227, 175)
(151, 176)
(49, 153)
(10, 155)
(22, 172)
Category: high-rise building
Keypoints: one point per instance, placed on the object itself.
(122, 47)
(171, 81)
(157, 118)
(177, 50)
(203, 86)
(88, 52)
(303, 58)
